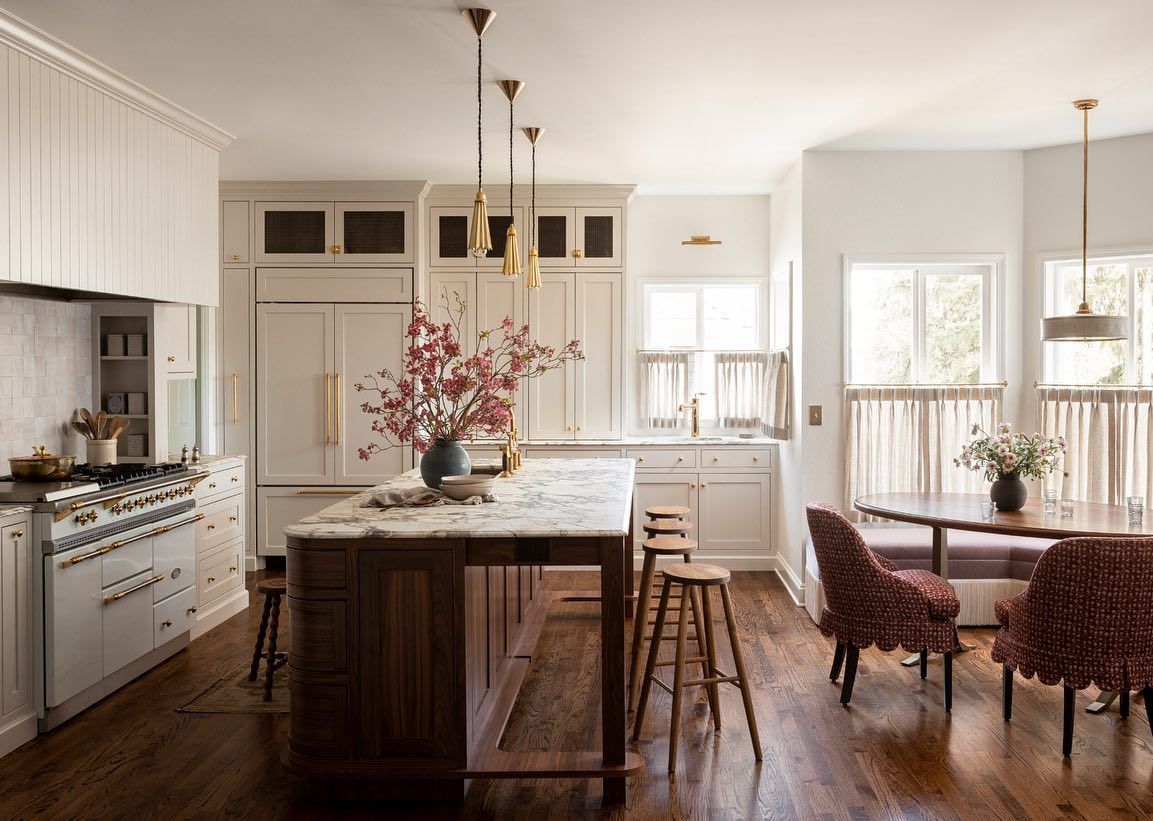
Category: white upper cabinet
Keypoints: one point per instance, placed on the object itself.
(448, 234)
(599, 383)
(107, 187)
(551, 395)
(235, 222)
(347, 233)
(598, 238)
(176, 339)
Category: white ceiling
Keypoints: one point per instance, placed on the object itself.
(679, 97)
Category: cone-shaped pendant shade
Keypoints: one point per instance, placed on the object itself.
(479, 237)
(511, 266)
(532, 276)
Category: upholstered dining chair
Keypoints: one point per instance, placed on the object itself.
(869, 601)
(1085, 618)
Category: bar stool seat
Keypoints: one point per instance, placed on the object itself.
(696, 580)
(667, 527)
(274, 589)
(667, 512)
(670, 545)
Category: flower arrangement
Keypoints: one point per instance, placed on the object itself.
(447, 393)
(1008, 454)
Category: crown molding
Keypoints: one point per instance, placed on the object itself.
(569, 193)
(326, 189)
(43, 47)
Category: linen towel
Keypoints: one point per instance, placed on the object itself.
(420, 497)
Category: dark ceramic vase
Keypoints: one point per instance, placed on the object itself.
(446, 457)
(1008, 492)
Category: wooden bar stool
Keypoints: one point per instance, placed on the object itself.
(654, 548)
(668, 527)
(696, 579)
(667, 512)
(273, 590)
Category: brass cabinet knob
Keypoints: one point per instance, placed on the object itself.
(235, 257)
(191, 610)
(172, 359)
(212, 484)
(236, 478)
(579, 427)
(692, 484)
(166, 623)
(568, 427)
(640, 458)
(334, 249)
(232, 518)
(716, 458)
(577, 253)
(755, 458)
(680, 458)
(232, 569)
(211, 527)
(211, 579)
(704, 484)
(16, 534)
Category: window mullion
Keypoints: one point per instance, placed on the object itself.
(918, 347)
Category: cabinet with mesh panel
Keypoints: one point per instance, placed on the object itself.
(579, 237)
(334, 232)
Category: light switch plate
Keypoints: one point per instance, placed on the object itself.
(815, 414)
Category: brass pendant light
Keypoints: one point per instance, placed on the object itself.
(511, 267)
(532, 277)
(479, 238)
(1084, 325)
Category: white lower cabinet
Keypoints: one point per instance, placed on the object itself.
(219, 549)
(733, 513)
(17, 712)
(173, 616)
(279, 507)
(663, 489)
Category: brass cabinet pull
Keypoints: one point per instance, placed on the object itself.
(16, 534)
(237, 478)
(716, 458)
(334, 249)
(577, 253)
(172, 359)
(680, 458)
(338, 401)
(235, 257)
(755, 458)
(211, 579)
(579, 427)
(232, 518)
(235, 404)
(166, 623)
(327, 409)
(327, 492)
(232, 569)
(211, 526)
(148, 582)
(211, 485)
(704, 484)
(640, 458)
(191, 610)
(692, 484)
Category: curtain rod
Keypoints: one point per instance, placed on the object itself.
(1083, 386)
(709, 350)
(1001, 384)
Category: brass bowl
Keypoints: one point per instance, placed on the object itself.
(41, 467)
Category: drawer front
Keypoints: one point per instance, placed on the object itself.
(279, 507)
(223, 522)
(218, 483)
(571, 453)
(173, 616)
(663, 458)
(126, 622)
(328, 285)
(220, 572)
(174, 556)
(729, 458)
(126, 561)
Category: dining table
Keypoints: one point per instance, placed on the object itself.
(942, 512)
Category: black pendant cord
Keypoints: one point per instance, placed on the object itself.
(510, 217)
(532, 200)
(479, 121)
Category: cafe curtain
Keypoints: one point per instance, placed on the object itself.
(752, 390)
(903, 438)
(662, 386)
(1109, 440)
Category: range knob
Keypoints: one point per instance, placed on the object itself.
(117, 509)
(141, 501)
(151, 498)
(92, 516)
(171, 494)
(81, 519)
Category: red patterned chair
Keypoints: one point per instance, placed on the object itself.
(869, 601)
(1086, 618)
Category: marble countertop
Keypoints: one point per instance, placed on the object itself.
(545, 498)
(641, 441)
(12, 510)
(209, 459)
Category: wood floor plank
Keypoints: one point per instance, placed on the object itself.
(894, 753)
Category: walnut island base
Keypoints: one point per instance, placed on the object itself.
(412, 630)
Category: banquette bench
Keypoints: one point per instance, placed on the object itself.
(983, 567)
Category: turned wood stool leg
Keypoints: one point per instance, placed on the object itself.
(273, 625)
(640, 621)
(259, 651)
(738, 661)
(678, 681)
(651, 665)
(714, 689)
(704, 651)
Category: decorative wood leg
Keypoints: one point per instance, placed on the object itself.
(273, 625)
(705, 652)
(838, 660)
(1124, 693)
(640, 618)
(924, 664)
(613, 708)
(678, 682)
(948, 682)
(739, 662)
(1007, 693)
(707, 610)
(850, 673)
(259, 651)
(1067, 726)
(651, 665)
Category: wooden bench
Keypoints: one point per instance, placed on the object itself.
(983, 567)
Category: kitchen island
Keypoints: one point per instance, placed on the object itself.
(412, 630)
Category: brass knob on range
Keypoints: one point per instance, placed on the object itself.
(171, 494)
(151, 498)
(180, 491)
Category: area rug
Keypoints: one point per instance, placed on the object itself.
(236, 694)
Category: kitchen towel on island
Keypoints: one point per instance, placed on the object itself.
(420, 497)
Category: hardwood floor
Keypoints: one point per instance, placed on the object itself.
(893, 753)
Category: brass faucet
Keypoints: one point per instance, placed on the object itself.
(694, 407)
(512, 448)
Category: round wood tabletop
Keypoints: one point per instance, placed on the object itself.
(962, 511)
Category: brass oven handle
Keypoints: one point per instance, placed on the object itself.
(327, 409)
(118, 596)
(235, 405)
(338, 401)
(108, 548)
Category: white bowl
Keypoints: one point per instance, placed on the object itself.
(460, 491)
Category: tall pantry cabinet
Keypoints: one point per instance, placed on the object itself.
(317, 290)
(581, 234)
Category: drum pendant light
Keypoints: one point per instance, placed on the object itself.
(511, 267)
(532, 276)
(479, 238)
(1084, 325)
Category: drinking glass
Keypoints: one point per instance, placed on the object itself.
(1136, 505)
(1066, 508)
(1049, 502)
(988, 510)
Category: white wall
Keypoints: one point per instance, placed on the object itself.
(785, 243)
(873, 203)
(658, 224)
(1120, 217)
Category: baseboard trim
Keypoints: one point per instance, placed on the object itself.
(792, 582)
(219, 612)
(254, 563)
(18, 731)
